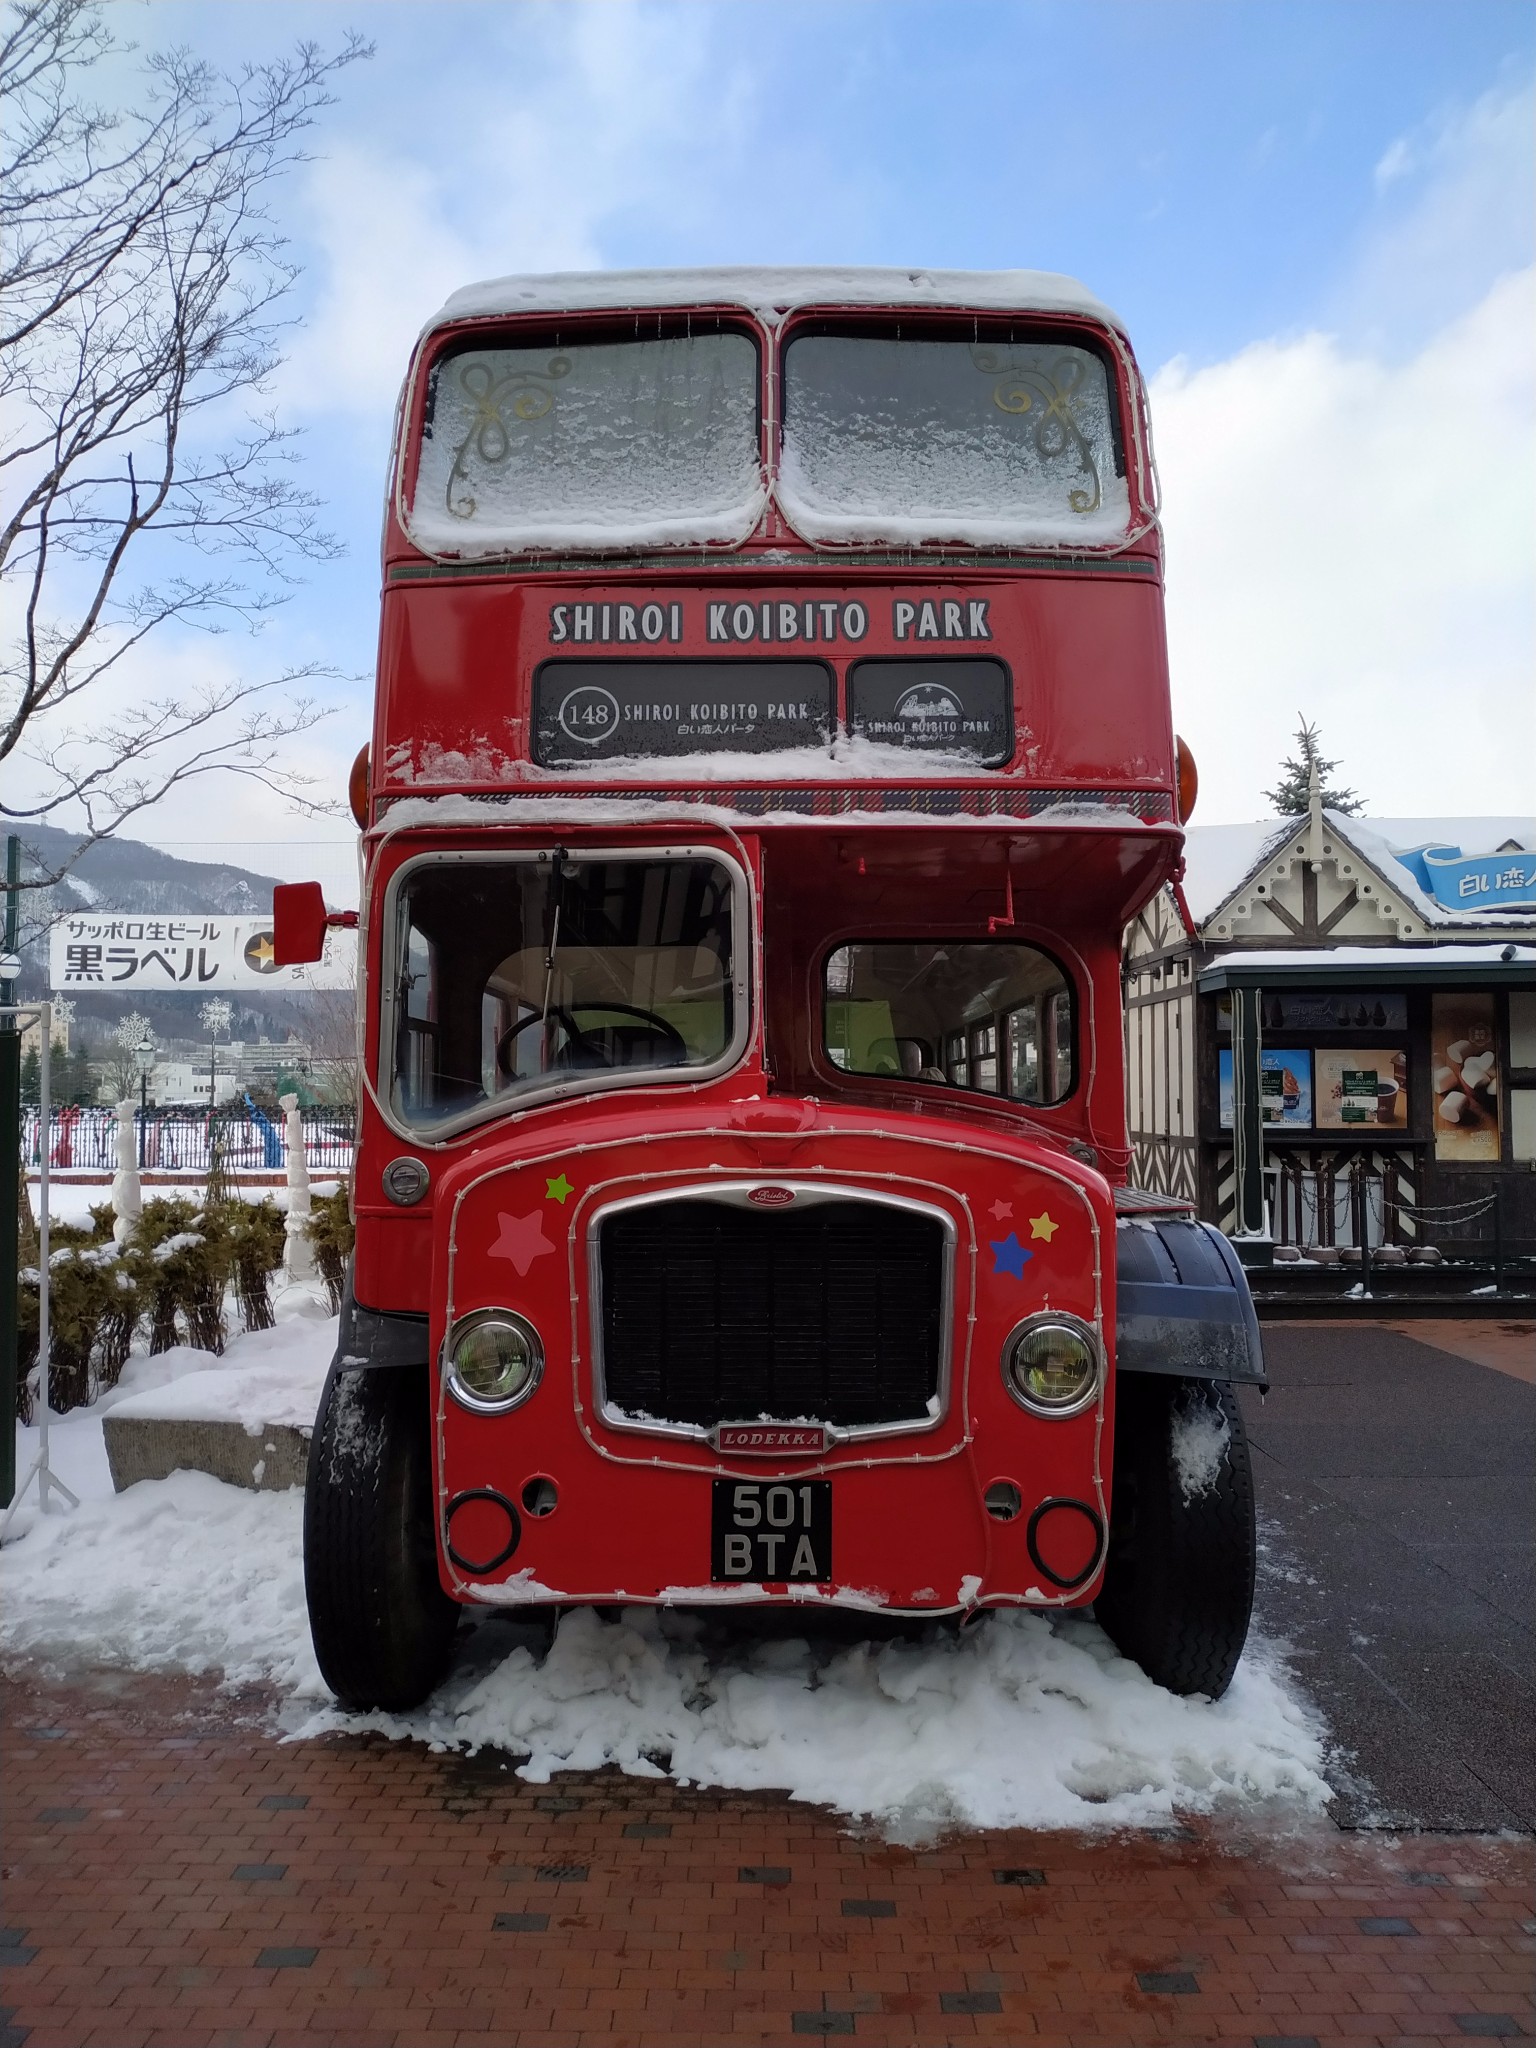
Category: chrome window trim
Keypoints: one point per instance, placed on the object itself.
(1090, 1394)
(587, 1082)
(466, 1398)
(737, 1193)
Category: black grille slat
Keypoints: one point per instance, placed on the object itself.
(717, 1313)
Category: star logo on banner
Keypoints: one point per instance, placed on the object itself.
(557, 1189)
(522, 1240)
(261, 953)
(1008, 1255)
(1043, 1226)
(1001, 1212)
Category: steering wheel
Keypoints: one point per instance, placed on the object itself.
(587, 1048)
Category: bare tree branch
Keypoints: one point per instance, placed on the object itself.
(142, 281)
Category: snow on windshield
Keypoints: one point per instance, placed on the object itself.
(603, 444)
(1009, 442)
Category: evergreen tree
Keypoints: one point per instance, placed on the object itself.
(77, 1082)
(32, 1077)
(1292, 793)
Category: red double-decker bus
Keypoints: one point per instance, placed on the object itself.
(772, 743)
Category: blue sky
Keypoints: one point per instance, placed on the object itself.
(1315, 217)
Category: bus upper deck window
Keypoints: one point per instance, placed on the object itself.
(1009, 442)
(590, 444)
(973, 1015)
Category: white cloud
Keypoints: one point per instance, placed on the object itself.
(1352, 538)
(598, 112)
(1396, 161)
(1456, 208)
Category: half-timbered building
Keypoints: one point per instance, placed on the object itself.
(1331, 1031)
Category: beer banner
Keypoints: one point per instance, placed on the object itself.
(107, 950)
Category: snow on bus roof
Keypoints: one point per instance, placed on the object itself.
(770, 292)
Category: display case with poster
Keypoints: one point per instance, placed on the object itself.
(1362, 1086)
(1465, 1078)
(1285, 1087)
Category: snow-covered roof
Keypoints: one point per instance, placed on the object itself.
(1310, 958)
(770, 292)
(1220, 858)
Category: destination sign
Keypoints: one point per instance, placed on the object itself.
(767, 621)
(586, 711)
(948, 707)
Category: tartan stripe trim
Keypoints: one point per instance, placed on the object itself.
(608, 566)
(830, 800)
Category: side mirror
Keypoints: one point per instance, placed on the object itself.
(298, 923)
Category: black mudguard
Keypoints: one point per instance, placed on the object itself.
(1183, 1305)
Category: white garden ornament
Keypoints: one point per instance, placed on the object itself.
(127, 1193)
(303, 1292)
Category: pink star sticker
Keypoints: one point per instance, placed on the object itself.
(1001, 1211)
(522, 1240)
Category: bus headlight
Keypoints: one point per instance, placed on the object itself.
(1051, 1365)
(492, 1359)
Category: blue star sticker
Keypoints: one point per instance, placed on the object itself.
(1008, 1255)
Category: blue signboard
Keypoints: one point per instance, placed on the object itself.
(1474, 881)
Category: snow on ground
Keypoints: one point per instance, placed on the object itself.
(1019, 1721)
(265, 1377)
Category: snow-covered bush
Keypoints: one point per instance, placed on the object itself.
(92, 1311)
(254, 1233)
(180, 1257)
(332, 1234)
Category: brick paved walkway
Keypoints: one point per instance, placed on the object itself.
(176, 1876)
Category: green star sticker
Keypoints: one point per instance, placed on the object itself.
(557, 1189)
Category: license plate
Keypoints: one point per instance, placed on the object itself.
(772, 1531)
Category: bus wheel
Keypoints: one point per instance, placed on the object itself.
(1178, 1585)
(381, 1622)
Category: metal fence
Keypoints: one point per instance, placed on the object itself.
(84, 1140)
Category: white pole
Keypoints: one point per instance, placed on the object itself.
(44, 1277)
(41, 1470)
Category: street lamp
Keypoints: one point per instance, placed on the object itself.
(145, 1052)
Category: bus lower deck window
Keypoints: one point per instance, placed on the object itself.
(516, 976)
(991, 1016)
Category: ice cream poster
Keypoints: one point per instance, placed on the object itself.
(1285, 1088)
(1464, 1078)
(1358, 1087)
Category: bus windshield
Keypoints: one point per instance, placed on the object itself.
(963, 440)
(614, 443)
(513, 976)
(991, 1016)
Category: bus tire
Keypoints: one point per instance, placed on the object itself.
(1178, 1584)
(381, 1623)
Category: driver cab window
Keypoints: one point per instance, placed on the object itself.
(992, 1017)
(516, 975)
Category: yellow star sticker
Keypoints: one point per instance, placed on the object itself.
(1042, 1226)
(557, 1189)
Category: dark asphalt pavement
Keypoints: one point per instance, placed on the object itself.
(1397, 1502)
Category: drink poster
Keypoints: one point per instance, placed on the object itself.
(1464, 1078)
(1356, 1087)
(1285, 1088)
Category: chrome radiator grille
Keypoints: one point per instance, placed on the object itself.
(713, 1311)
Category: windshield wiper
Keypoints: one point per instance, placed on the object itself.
(552, 910)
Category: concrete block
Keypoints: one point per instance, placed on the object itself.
(144, 1447)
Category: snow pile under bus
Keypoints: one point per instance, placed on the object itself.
(1019, 1721)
